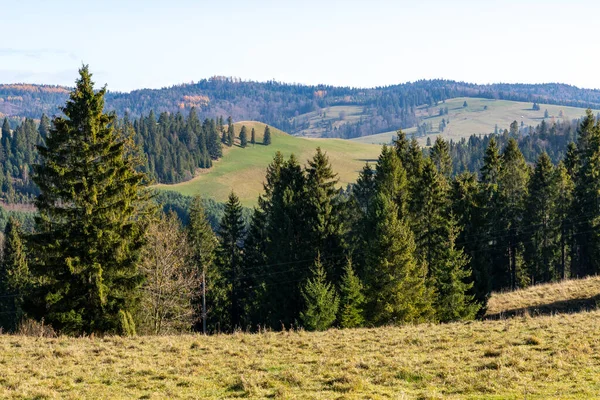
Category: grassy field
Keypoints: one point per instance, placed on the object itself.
(243, 170)
(534, 358)
(476, 119)
(554, 356)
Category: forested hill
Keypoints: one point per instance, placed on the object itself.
(287, 106)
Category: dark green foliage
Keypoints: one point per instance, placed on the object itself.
(512, 192)
(352, 299)
(390, 179)
(452, 281)
(542, 247)
(203, 244)
(253, 137)
(440, 155)
(231, 236)
(429, 211)
(323, 217)
(396, 290)
(15, 280)
(321, 300)
(267, 136)
(585, 214)
(244, 136)
(230, 137)
(91, 223)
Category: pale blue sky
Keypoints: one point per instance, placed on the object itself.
(138, 44)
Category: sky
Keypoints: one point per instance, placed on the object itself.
(131, 44)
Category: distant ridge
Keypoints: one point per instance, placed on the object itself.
(280, 104)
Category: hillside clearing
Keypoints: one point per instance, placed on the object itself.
(243, 170)
(545, 357)
(476, 119)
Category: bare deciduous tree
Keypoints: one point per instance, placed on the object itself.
(171, 278)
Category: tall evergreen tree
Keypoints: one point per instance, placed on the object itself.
(253, 136)
(395, 283)
(287, 247)
(44, 128)
(512, 191)
(390, 179)
(440, 155)
(230, 138)
(90, 227)
(585, 214)
(326, 229)
(452, 281)
(243, 136)
(563, 185)
(542, 249)
(203, 243)
(471, 239)
(15, 280)
(429, 210)
(231, 235)
(267, 136)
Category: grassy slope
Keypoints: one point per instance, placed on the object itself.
(336, 115)
(570, 295)
(534, 358)
(475, 120)
(243, 170)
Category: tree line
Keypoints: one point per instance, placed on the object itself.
(410, 242)
(172, 148)
(278, 104)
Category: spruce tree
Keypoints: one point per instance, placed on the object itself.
(326, 229)
(571, 161)
(5, 140)
(489, 258)
(267, 136)
(542, 247)
(203, 243)
(402, 145)
(585, 214)
(363, 190)
(564, 187)
(44, 128)
(395, 283)
(230, 137)
(321, 300)
(253, 136)
(390, 179)
(91, 224)
(512, 191)
(429, 210)
(231, 236)
(15, 280)
(243, 137)
(452, 281)
(287, 243)
(465, 197)
(440, 155)
(352, 299)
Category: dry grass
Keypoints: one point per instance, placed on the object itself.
(545, 357)
(569, 295)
